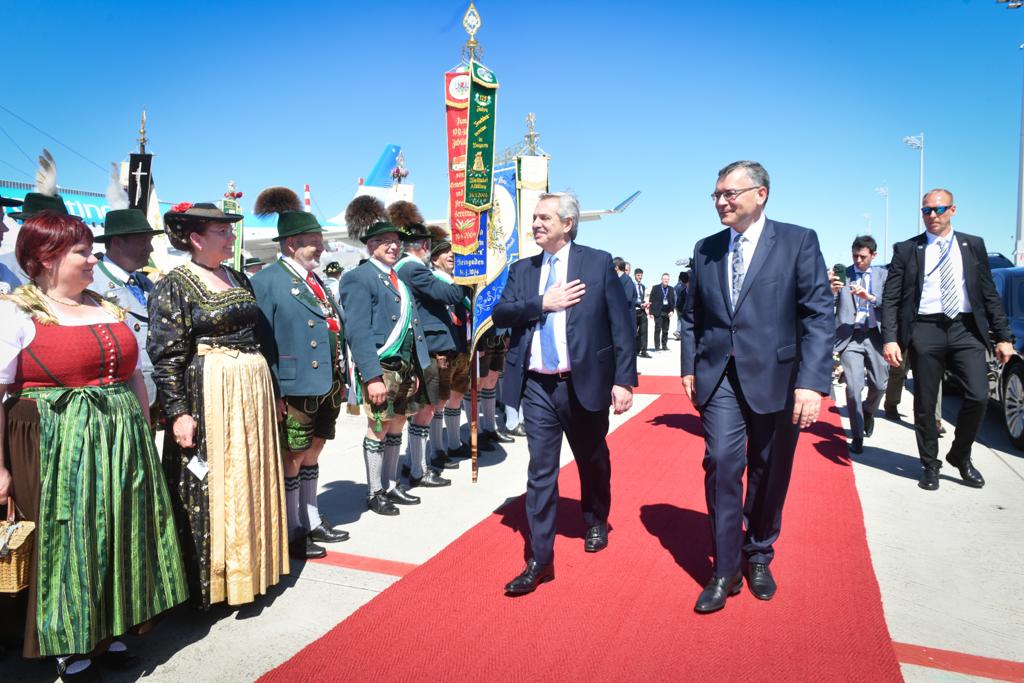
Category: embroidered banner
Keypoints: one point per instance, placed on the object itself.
(500, 247)
(483, 100)
(464, 223)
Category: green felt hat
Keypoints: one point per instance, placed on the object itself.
(253, 261)
(36, 203)
(120, 222)
(333, 268)
(439, 248)
(415, 232)
(295, 223)
(380, 228)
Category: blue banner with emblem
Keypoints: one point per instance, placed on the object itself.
(499, 246)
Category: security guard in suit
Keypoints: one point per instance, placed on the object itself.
(127, 241)
(389, 350)
(302, 336)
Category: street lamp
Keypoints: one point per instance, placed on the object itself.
(884, 191)
(917, 142)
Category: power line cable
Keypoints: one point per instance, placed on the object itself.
(319, 210)
(19, 170)
(65, 146)
(15, 143)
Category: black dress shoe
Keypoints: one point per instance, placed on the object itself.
(430, 479)
(520, 430)
(87, 675)
(857, 445)
(971, 476)
(597, 538)
(891, 413)
(381, 505)
(534, 575)
(869, 424)
(497, 437)
(929, 480)
(713, 597)
(941, 430)
(761, 581)
(400, 496)
(118, 661)
(326, 534)
(645, 355)
(461, 453)
(304, 549)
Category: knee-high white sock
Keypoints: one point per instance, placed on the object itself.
(418, 449)
(373, 455)
(451, 422)
(487, 401)
(292, 505)
(437, 431)
(309, 475)
(392, 448)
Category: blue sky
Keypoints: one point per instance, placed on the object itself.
(641, 95)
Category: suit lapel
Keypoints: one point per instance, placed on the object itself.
(571, 273)
(967, 262)
(300, 290)
(919, 244)
(722, 270)
(764, 248)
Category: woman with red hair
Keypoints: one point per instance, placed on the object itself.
(78, 459)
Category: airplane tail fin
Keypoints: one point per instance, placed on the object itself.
(380, 176)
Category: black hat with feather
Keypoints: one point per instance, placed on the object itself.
(45, 198)
(366, 217)
(291, 219)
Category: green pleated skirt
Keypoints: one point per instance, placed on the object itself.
(107, 554)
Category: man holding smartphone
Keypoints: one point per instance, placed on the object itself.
(859, 337)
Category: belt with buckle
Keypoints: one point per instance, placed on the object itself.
(549, 376)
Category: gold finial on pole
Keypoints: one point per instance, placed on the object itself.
(142, 133)
(472, 22)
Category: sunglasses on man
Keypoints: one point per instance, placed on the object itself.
(939, 210)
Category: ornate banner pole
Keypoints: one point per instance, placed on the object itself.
(231, 205)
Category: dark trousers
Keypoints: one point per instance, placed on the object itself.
(661, 331)
(641, 330)
(954, 345)
(737, 440)
(550, 408)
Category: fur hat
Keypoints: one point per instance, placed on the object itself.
(365, 212)
(291, 219)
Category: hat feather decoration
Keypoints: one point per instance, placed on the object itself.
(117, 196)
(403, 214)
(362, 212)
(46, 175)
(276, 200)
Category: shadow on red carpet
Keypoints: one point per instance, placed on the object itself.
(626, 613)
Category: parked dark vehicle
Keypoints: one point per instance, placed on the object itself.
(997, 260)
(1006, 383)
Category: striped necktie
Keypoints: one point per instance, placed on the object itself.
(947, 280)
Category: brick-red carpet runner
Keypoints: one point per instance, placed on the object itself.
(626, 614)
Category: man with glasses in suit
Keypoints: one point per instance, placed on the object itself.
(940, 300)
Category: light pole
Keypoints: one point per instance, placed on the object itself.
(884, 191)
(1018, 255)
(917, 142)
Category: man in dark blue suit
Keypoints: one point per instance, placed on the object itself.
(571, 356)
(758, 327)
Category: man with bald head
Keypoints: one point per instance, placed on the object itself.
(941, 305)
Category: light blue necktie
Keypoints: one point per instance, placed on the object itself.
(548, 345)
(133, 286)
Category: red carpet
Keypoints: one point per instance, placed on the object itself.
(659, 384)
(625, 614)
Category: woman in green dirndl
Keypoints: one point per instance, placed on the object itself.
(79, 460)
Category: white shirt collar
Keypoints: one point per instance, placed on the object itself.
(295, 265)
(116, 270)
(380, 266)
(932, 239)
(562, 254)
(752, 234)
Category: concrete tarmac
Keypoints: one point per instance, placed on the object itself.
(948, 562)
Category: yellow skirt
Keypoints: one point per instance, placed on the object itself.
(248, 528)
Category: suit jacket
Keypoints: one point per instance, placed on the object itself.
(115, 290)
(600, 330)
(372, 308)
(432, 300)
(901, 298)
(846, 305)
(293, 333)
(629, 288)
(655, 299)
(782, 328)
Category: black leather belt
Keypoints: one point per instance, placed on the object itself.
(941, 317)
(550, 377)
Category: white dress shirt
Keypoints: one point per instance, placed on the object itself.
(558, 317)
(749, 243)
(931, 290)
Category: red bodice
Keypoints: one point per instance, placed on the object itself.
(77, 356)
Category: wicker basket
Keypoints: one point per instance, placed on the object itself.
(15, 551)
